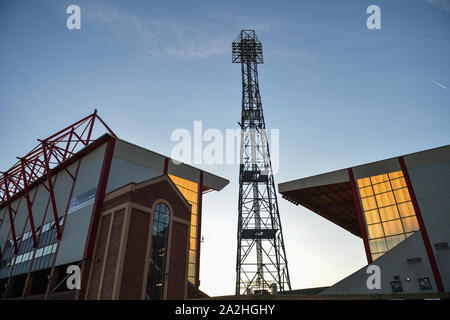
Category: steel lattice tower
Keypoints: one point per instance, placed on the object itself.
(261, 257)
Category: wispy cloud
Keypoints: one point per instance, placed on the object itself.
(443, 4)
(436, 83)
(156, 37)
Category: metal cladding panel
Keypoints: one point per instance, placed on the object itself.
(77, 224)
(21, 215)
(41, 199)
(123, 172)
(184, 171)
(333, 177)
(138, 155)
(376, 168)
(212, 180)
(62, 186)
(431, 184)
(393, 263)
(4, 228)
(149, 159)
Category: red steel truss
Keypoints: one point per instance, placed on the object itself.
(39, 162)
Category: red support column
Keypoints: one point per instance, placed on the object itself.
(362, 225)
(52, 194)
(423, 230)
(29, 206)
(11, 218)
(95, 216)
(166, 165)
(97, 207)
(199, 226)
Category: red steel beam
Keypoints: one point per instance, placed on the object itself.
(52, 194)
(362, 225)
(98, 202)
(11, 219)
(29, 206)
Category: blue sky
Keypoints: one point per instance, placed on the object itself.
(340, 94)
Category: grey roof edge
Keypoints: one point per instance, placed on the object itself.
(218, 183)
(312, 181)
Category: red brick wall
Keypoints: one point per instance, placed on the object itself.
(135, 255)
(134, 270)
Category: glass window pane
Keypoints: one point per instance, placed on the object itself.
(372, 216)
(379, 178)
(194, 220)
(406, 209)
(193, 232)
(191, 270)
(395, 174)
(402, 195)
(398, 183)
(193, 244)
(389, 213)
(363, 182)
(382, 187)
(192, 256)
(158, 253)
(378, 245)
(365, 192)
(392, 227)
(385, 199)
(369, 203)
(375, 231)
(393, 241)
(410, 224)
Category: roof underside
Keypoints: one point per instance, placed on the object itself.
(333, 202)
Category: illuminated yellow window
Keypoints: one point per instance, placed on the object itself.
(410, 224)
(369, 203)
(385, 198)
(398, 183)
(379, 178)
(382, 187)
(406, 209)
(396, 174)
(364, 182)
(372, 216)
(375, 231)
(389, 213)
(365, 192)
(193, 244)
(402, 195)
(392, 228)
(193, 232)
(189, 189)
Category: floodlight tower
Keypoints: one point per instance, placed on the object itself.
(261, 258)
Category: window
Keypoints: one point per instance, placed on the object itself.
(396, 286)
(424, 283)
(388, 211)
(189, 190)
(158, 253)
